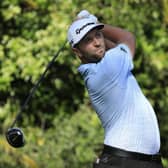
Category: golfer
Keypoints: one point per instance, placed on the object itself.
(132, 138)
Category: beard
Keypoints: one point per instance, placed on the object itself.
(94, 57)
(93, 60)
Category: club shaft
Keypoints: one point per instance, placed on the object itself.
(32, 91)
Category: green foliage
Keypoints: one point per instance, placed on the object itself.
(69, 143)
(62, 127)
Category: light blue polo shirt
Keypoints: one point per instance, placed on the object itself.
(127, 116)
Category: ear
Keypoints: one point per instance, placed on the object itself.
(79, 55)
(77, 52)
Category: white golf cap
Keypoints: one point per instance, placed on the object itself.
(80, 28)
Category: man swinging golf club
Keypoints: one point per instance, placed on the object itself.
(132, 138)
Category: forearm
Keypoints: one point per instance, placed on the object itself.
(118, 35)
(109, 44)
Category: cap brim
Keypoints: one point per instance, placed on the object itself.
(99, 26)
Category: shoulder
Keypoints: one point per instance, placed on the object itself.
(117, 57)
(120, 47)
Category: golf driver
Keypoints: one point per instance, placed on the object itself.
(15, 136)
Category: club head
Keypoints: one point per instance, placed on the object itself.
(15, 137)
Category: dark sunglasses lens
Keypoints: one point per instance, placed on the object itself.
(15, 137)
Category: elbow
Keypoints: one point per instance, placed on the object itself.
(130, 40)
(133, 44)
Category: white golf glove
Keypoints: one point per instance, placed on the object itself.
(85, 14)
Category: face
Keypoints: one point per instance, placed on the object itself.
(91, 48)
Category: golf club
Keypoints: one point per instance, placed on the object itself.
(15, 136)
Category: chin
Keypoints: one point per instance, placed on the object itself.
(98, 60)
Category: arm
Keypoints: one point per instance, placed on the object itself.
(109, 44)
(115, 35)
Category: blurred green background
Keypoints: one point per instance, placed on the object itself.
(60, 126)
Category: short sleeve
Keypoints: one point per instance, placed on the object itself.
(118, 61)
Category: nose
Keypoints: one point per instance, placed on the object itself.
(96, 42)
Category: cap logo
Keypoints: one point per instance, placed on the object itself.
(80, 29)
(71, 42)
